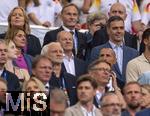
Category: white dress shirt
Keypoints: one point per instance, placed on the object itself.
(118, 49)
(86, 113)
(69, 64)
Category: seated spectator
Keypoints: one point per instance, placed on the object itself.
(43, 12)
(69, 24)
(132, 94)
(60, 78)
(42, 70)
(22, 74)
(3, 90)
(145, 101)
(111, 105)
(12, 79)
(18, 19)
(101, 71)
(71, 64)
(58, 102)
(33, 86)
(133, 16)
(86, 90)
(95, 22)
(140, 64)
(102, 36)
(7, 5)
(23, 60)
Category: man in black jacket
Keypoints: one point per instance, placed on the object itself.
(69, 15)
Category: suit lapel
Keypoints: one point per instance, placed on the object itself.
(76, 66)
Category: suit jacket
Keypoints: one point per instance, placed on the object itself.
(70, 85)
(128, 54)
(101, 37)
(76, 111)
(80, 67)
(12, 80)
(33, 44)
(145, 112)
(51, 36)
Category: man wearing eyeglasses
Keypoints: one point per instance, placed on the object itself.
(110, 105)
(101, 71)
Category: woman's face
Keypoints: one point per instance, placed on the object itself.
(32, 86)
(20, 39)
(145, 101)
(17, 18)
(12, 50)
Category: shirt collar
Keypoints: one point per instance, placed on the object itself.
(68, 58)
(84, 110)
(68, 30)
(114, 45)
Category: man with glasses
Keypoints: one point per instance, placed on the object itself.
(101, 71)
(110, 105)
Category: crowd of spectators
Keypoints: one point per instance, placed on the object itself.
(104, 71)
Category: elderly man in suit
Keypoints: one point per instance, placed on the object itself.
(71, 63)
(69, 16)
(115, 29)
(60, 78)
(86, 90)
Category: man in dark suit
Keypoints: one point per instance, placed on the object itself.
(115, 29)
(69, 15)
(71, 63)
(60, 79)
(12, 79)
(101, 36)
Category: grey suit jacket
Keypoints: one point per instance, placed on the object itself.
(76, 111)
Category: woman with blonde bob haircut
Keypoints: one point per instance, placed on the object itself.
(33, 84)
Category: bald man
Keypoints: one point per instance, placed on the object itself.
(101, 36)
(71, 63)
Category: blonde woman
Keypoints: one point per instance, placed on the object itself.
(33, 86)
(22, 74)
(18, 19)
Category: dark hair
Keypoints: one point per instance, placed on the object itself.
(68, 5)
(145, 35)
(131, 83)
(87, 77)
(37, 59)
(114, 18)
(96, 62)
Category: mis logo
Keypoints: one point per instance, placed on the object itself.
(26, 102)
